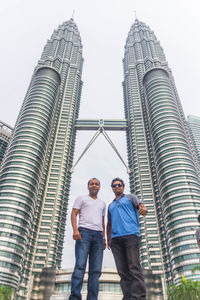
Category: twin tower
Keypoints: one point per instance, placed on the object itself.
(35, 173)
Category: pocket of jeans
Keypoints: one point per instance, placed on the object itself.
(133, 240)
(81, 233)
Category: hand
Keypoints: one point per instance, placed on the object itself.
(104, 243)
(76, 235)
(142, 209)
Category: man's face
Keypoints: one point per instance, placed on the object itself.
(94, 187)
(117, 188)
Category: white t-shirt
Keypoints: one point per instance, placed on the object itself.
(91, 212)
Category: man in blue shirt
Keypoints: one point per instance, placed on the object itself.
(123, 237)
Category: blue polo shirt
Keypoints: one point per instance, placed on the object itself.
(124, 216)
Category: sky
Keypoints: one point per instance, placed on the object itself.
(25, 26)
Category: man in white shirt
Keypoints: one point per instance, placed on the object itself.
(90, 240)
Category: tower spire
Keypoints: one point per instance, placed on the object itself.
(73, 13)
(135, 14)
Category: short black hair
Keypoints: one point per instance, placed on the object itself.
(117, 179)
(198, 218)
(94, 178)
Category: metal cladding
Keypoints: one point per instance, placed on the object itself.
(194, 129)
(35, 176)
(164, 174)
(5, 134)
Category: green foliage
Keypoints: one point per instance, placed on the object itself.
(5, 292)
(187, 290)
(197, 268)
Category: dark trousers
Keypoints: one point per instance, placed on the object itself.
(126, 250)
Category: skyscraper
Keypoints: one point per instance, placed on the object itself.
(163, 172)
(5, 134)
(35, 175)
(194, 128)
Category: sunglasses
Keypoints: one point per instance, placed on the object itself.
(118, 184)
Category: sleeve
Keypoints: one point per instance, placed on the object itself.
(134, 199)
(109, 215)
(78, 202)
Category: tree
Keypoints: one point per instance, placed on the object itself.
(5, 292)
(197, 268)
(187, 290)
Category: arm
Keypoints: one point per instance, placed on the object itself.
(109, 228)
(137, 204)
(104, 240)
(199, 243)
(76, 233)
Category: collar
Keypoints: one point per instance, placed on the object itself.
(119, 198)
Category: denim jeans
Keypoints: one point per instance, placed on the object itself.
(90, 245)
(126, 252)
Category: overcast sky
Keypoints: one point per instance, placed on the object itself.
(25, 26)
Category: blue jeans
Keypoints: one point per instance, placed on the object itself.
(90, 245)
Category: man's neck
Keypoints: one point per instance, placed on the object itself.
(93, 196)
(118, 196)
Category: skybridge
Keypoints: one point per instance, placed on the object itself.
(106, 124)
